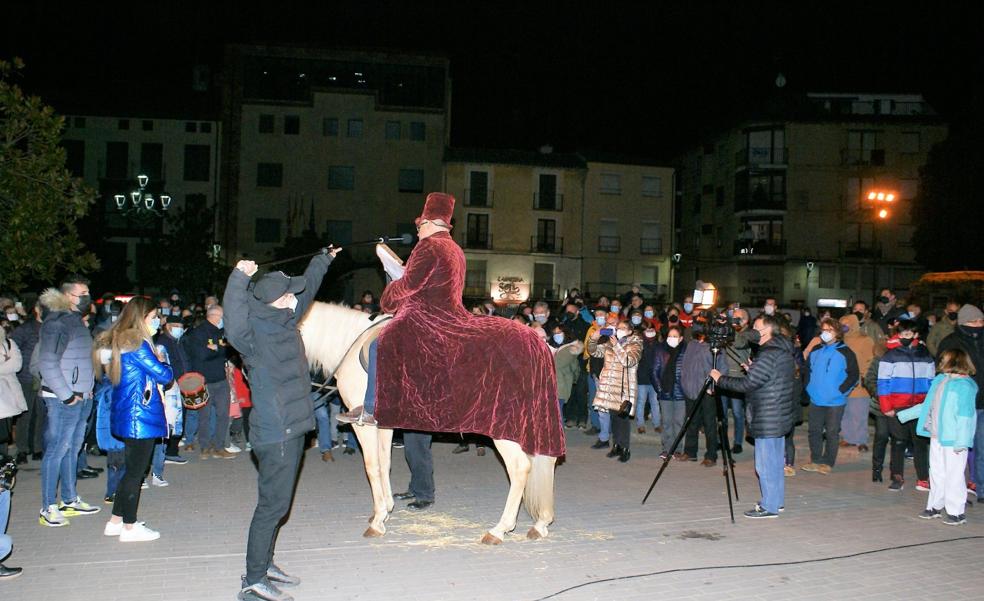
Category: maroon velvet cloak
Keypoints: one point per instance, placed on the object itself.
(443, 369)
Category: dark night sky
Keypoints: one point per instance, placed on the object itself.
(628, 77)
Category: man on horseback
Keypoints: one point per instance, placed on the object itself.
(262, 326)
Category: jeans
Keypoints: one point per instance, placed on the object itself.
(334, 408)
(646, 395)
(706, 415)
(278, 465)
(157, 463)
(737, 406)
(674, 414)
(5, 543)
(605, 421)
(825, 423)
(115, 468)
(322, 419)
(854, 424)
(978, 467)
(217, 407)
(190, 425)
(64, 432)
(417, 451)
(769, 467)
(593, 414)
(902, 436)
(137, 456)
(369, 402)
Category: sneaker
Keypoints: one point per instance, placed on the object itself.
(140, 533)
(789, 471)
(144, 485)
(461, 448)
(896, 485)
(175, 460)
(954, 520)
(158, 481)
(736, 450)
(223, 454)
(929, 514)
(758, 513)
(351, 451)
(9, 573)
(78, 507)
(922, 485)
(641, 430)
(205, 454)
(663, 456)
(233, 448)
(397, 444)
(189, 447)
(264, 590)
(810, 467)
(823, 469)
(249, 446)
(280, 578)
(110, 499)
(600, 444)
(181, 443)
(52, 518)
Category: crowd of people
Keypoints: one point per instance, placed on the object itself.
(80, 379)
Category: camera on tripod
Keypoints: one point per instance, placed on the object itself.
(8, 474)
(719, 328)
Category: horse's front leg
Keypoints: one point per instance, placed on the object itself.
(518, 467)
(384, 436)
(369, 439)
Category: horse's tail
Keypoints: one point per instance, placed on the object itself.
(538, 497)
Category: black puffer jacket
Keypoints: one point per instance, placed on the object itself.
(268, 340)
(770, 389)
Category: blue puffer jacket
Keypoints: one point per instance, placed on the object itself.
(137, 408)
(832, 374)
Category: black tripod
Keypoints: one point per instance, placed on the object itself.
(722, 428)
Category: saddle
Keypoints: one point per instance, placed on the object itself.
(369, 335)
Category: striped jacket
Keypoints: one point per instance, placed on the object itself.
(904, 377)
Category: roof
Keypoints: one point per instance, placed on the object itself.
(532, 158)
(597, 156)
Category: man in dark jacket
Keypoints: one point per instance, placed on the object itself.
(770, 392)
(207, 354)
(969, 336)
(170, 338)
(262, 326)
(30, 423)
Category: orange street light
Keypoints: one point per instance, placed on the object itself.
(883, 214)
(872, 195)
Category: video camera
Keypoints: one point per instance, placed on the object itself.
(8, 474)
(719, 328)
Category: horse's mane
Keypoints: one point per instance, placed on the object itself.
(328, 330)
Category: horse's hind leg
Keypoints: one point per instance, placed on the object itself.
(385, 447)
(518, 466)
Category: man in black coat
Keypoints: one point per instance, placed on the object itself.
(770, 393)
(206, 348)
(262, 326)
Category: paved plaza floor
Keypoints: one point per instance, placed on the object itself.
(604, 544)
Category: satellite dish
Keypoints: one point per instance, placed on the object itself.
(780, 81)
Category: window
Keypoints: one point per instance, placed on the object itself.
(908, 188)
(651, 242)
(418, 131)
(191, 127)
(910, 142)
(543, 281)
(117, 160)
(80, 122)
(267, 231)
(355, 128)
(75, 157)
(611, 183)
(152, 160)
(292, 125)
(392, 130)
(863, 148)
(329, 126)
(270, 175)
(197, 162)
(652, 185)
(341, 178)
(856, 190)
(827, 273)
(195, 200)
(766, 146)
(546, 236)
(719, 196)
(411, 180)
(266, 124)
(697, 207)
(123, 124)
(147, 125)
(205, 128)
(475, 278)
(608, 239)
(848, 276)
(339, 232)
(477, 194)
(477, 232)
(547, 199)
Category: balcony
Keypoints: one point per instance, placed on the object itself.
(479, 198)
(761, 157)
(759, 248)
(548, 202)
(552, 245)
(760, 201)
(477, 242)
(863, 250)
(650, 246)
(863, 156)
(609, 244)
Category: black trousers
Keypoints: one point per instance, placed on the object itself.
(825, 427)
(28, 425)
(576, 408)
(881, 442)
(902, 435)
(621, 430)
(706, 417)
(417, 451)
(278, 464)
(137, 455)
(791, 447)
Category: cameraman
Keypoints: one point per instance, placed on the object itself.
(770, 390)
(7, 470)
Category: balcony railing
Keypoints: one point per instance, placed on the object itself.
(760, 201)
(477, 242)
(553, 245)
(757, 248)
(609, 244)
(753, 157)
(863, 156)
(479, 198)
(650, 246)
(864, 250)
(548, 202)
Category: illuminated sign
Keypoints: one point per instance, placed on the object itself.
(510, 289)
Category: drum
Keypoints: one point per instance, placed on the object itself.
(193, 393)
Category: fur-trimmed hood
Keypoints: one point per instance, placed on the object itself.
(53, 300)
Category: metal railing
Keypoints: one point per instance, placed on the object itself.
(761, 156)
(609, 244)
(554, 245)
(760, 201)
(548, 202)
(864, 250)
(756, 248)
(650, 246)
(477, 242)
(479, 200)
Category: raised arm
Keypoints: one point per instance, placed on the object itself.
(236, 307)
(314, 274)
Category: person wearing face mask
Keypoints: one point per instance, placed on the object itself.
(170, 338)
(686, 316)
(541, 315)
(615, 399)
(673, 321)
(969, 337)
(206, 348)
(567, 349)
(737, 355)
(615, 309)
(645, 392)
(832, 375)
(886, 309)
(262, 326)
(592, 368)
(770, 307)
(943, 328)
(869, 327)
(854, 424)
(65, 362)
(649, 317)
(667, 380)
(28, 425)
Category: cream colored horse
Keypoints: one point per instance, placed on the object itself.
(333, 336)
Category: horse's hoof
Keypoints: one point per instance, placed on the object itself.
(533, 534)
(372, 533)
(491, 539)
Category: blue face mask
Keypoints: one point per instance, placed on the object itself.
(221, 324)
(636, 320)
(165, 311)
(540, 318)
(688, 307)
(155, 324)
(615, 308)
(648, 314)
(177, 333)
(558, 338)
(600, 320)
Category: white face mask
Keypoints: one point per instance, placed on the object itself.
(13, 317)
(673, 341)
(826, 336)
(770, 310)
(650, 333)
(620, 334)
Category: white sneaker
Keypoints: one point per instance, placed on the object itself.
(52, 518)
(144, 485)
(158, 481)
(249, 446)
(181, 443)
(112, 529)
(232, 448)
(138, 534)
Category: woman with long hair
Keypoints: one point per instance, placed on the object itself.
(136, 372)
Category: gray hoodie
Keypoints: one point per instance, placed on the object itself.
(64, 349)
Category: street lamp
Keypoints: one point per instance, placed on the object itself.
(810, 266)
(674, 262)
(880, 201)
(141, 200)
